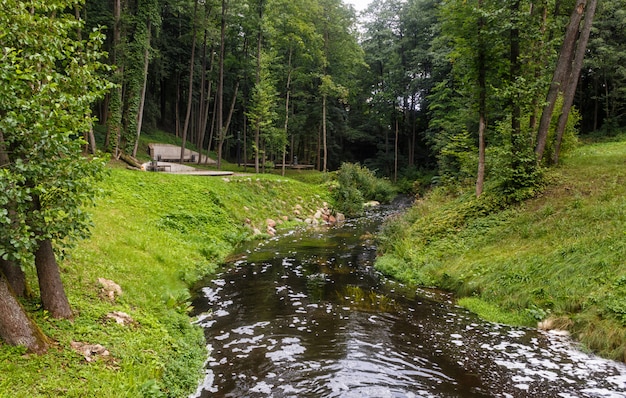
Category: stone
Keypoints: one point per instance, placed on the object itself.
(340, 217)
(270, 223)
(91, 352)
(121, 318)
(110, 289)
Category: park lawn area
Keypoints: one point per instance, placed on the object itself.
(154, 234)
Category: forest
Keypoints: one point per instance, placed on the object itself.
(405, 86)
(478, 96)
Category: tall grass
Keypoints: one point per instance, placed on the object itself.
(560, 256)
(154, 235)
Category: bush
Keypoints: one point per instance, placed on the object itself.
(357, 184)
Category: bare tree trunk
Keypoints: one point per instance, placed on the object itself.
(203, 101)
(16, 328)
(142, 100)
(257, 125)
(220, 82)
(15, 276)
(177, 110)
(559, 77)
(205, 122)
(395, 155)
(245, 141)
(541, 60)
(482, 108)
(92, 140)
(190, 87)
(287, 94)
(319, 148)
(212, 130)
(51, 288)
(596, 103)
(205, 119)
(570, 89)
(12, 271)
(325, 148)
(222, 137)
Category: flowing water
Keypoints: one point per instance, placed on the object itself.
(306, 315)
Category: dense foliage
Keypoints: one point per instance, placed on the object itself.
(48, 82)
(415, 84)
(356, 185)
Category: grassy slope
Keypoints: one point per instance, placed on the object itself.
(154, 234)
(560, 256)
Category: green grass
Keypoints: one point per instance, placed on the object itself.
(155, 234)
(560, 256)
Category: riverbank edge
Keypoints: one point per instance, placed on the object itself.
(154, 235)
(555, 261)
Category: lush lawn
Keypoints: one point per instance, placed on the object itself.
(154, 235)
(560, 256)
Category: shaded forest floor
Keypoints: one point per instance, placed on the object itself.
(558, 260)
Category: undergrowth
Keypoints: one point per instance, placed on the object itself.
(558, 256)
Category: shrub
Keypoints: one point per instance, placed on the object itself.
(357, 184)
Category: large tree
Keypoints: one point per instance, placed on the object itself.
(48, 81)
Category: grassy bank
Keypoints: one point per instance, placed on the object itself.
(558, 258)
(154, 235)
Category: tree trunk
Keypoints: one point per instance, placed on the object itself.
(324, 147)
(190, 87)
(212, 129)
(115, 119)
(558, 79)
(51, 289)
(177, 108)
(220, 82)
(318, 161)
(288, 92)
(142, 99)
(541, 61)
(395, 155)
(15, 276)
(482, 109)
(257, 126)
(245, 141)
(222, 137)
(92, 140)
(203, 101)
(16, 328)
(12, 271)
(570, 89)
(205, 123)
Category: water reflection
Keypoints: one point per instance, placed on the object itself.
(305, 315)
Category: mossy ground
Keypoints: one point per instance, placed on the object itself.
(559, 256)
(154, 234)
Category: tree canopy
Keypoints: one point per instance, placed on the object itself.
(49, 79)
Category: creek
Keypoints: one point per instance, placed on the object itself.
(306, 315)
